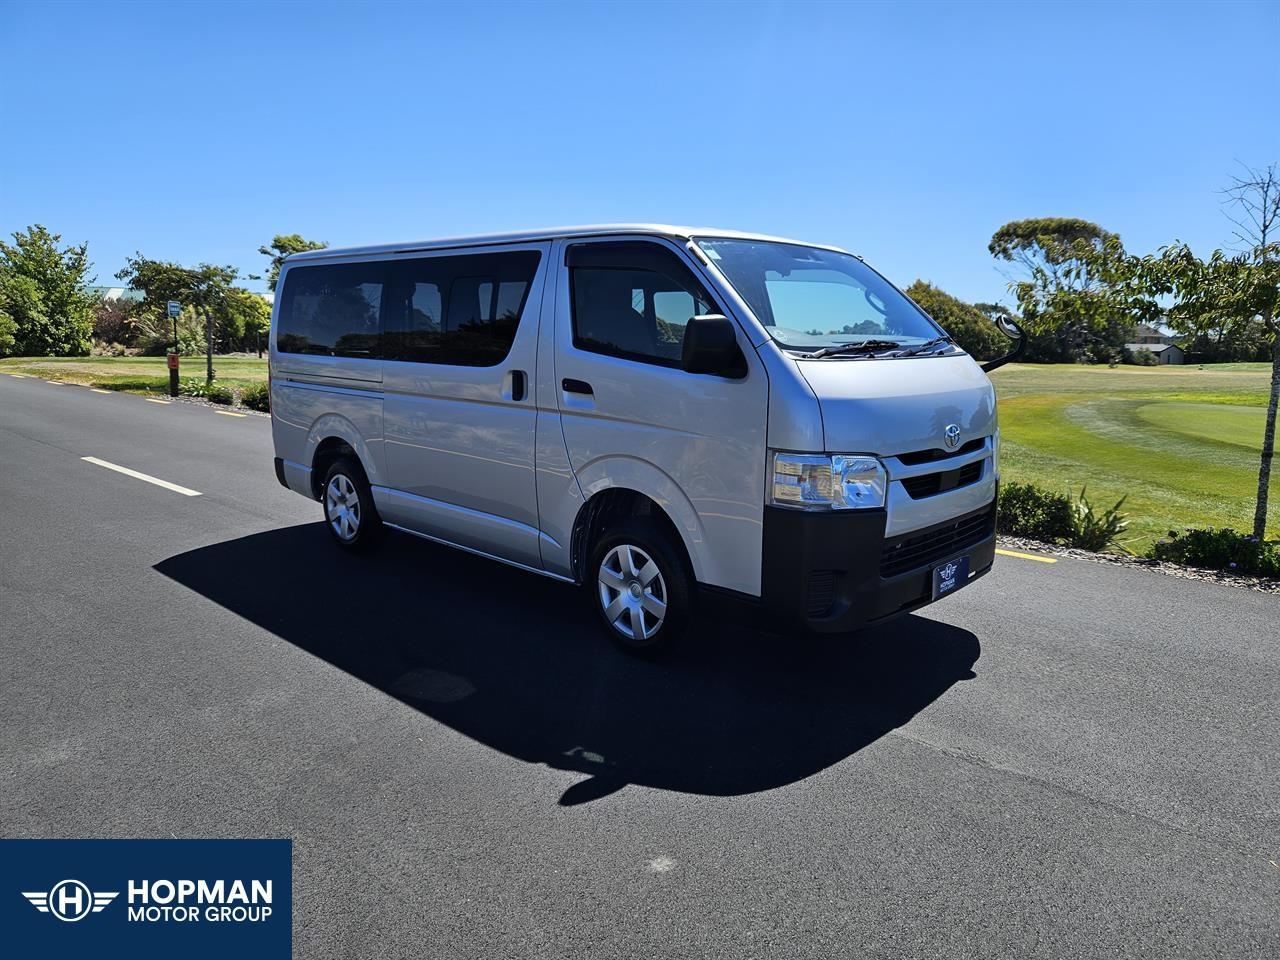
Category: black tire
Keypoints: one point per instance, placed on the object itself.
(645, 540)
(361, 528)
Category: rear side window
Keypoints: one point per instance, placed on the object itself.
(633, 299)
(333, 310)
(460, 310)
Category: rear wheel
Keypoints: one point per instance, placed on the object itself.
(349, 512)
(641, 586)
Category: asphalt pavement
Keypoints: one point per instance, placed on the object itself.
(1063, 760)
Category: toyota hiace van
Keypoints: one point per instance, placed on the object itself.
(647, 411)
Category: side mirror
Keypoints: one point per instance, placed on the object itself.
(1014, 333)
(711, 346)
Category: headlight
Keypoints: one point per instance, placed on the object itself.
(839, 482)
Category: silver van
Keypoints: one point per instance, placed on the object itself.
(648, 411)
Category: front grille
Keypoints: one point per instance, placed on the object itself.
(822, 593)
(921, 549)
(929, 456)
(928, 484)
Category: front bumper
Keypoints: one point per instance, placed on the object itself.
(835, 572)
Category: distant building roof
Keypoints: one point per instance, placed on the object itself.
(115, 293)
(133, 296)
(1152, 347)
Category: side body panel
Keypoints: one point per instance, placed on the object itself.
(314, 397)
(459, 443)
(559, 495)
(694, 444)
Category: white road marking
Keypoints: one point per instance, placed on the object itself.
(96, 390)
(154, 400)
(185, 491)
(20, 376)
(228, 413)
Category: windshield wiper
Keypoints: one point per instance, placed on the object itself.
(922, 347)
(866, 346)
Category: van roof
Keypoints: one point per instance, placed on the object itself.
(554, 233)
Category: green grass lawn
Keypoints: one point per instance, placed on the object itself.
(136, 374)
(1181, 443)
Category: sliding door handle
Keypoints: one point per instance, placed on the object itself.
(577, 386)
(518, 389)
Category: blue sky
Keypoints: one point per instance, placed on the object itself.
(907, 132)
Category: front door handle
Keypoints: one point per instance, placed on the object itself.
(577, 386)
(518, 388)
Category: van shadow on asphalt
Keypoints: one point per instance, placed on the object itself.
(515, 661)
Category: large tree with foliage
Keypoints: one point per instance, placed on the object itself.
(248, 318)
(282, 245)
(43, 295)
(204, 286)
(207, 289)
(1191, 294)
(8, 334)
(968, 325)
(1219, 289)
(1055, 277)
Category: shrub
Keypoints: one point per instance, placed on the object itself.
(214, 392)
(8, 334)
(193, 387)
(217, 393)
(1091, 531)
(256, 396)
(154, 332)
(1142, 358)
(113, 321)
(1219, 550)
(103, 348)
(1027, 511)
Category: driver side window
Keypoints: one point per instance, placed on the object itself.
(632, 299)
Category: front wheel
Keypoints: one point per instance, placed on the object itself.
(641, 587)
(349, 512)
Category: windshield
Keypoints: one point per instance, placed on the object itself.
(809, 298)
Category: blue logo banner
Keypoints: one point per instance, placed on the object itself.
(147, 898)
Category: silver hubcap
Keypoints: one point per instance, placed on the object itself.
(342, 504)
(633, 594)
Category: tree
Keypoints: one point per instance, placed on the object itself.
(1223, 290)
(42, 293)
(1065, 309)
(8, 334)
(282, 245)
(248, 318)
(970, 327)
(207, 289)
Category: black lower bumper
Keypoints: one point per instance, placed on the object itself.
(834, 572)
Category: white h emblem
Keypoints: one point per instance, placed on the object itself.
(70, 900)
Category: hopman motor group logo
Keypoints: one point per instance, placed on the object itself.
(70, 900)
(162, 901)
(948, 576)
(146, 899)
